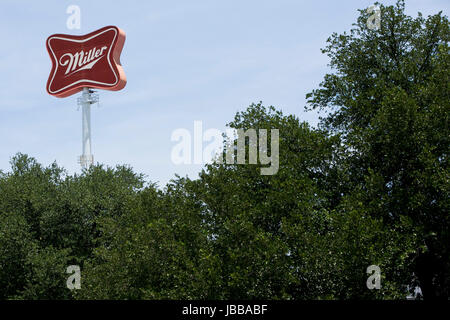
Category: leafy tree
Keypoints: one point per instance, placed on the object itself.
(389, 100)
(155, 251)
(290, 235)
(248, 213)
(15, 244)
(48, 221)
(368, 187)
(46, 277)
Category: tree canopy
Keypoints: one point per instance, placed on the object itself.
(369, 186)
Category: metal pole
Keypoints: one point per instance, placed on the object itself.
(86, 99)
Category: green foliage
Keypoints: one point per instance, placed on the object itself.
(389, 99)
(368, 187)
(49, 220)
(15, 244)
(46, 278)
(153, 252)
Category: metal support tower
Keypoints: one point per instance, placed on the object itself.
(87, 98)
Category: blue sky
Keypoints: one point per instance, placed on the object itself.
(184, 61)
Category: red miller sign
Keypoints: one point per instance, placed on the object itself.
(92, 60)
